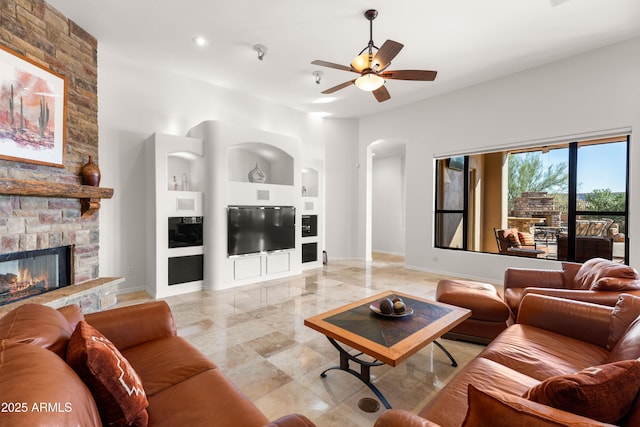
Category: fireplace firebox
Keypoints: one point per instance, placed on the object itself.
(30, 273)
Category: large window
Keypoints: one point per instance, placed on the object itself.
(564, 201)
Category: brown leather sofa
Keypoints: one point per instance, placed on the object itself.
(552, 337)
(598, 280)
(183, 387)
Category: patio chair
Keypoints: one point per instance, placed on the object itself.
(510, 241)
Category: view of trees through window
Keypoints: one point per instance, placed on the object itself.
(567, 201)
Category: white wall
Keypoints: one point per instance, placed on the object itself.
(388, 208)
(341, 193)
(589, 93)
(134, 102)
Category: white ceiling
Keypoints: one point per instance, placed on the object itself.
(466, 41)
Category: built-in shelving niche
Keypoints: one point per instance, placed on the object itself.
(276, 164)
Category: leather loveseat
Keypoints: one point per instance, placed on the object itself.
(181, 387)
(559, 353)
(598, 280)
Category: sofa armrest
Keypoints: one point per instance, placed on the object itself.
(526, 277)
(132, 325)
(292, 420)
(575, 319)
(401, 418)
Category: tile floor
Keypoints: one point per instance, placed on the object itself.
(255, 334)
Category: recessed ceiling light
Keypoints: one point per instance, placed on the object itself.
(200, 41)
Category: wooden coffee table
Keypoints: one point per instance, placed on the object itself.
(388, 340)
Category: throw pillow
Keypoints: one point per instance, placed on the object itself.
(604, 393)
(512, 238)
(596, 268)
(582, 227)
(526, 238)
(615, 284)
(498, 409)
(625, 311)
(38, 325)
(115, 386)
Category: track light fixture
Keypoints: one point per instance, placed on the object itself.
(261, 49)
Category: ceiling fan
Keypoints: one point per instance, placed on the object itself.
(372, 67)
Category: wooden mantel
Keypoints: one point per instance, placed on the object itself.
(89, 196)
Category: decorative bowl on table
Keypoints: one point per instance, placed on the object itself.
(388, 307)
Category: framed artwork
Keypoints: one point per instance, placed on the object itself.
(32, 111)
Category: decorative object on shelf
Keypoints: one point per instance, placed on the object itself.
(33, 117)
(185, 182)
(174, 184)
(304, 190)
(256, 175)
(90, 173)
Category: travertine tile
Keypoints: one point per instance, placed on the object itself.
(255, 334)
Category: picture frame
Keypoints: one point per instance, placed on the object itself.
(33, 111)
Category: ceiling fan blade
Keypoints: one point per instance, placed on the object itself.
(385, 54)
(423, 75)
(331, 65)
(338, 87)
(381, 94)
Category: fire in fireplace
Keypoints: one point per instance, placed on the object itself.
(30, 273)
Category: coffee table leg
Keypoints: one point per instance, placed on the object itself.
(365, 370)
(441, 347)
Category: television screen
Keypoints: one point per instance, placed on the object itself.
(256, 229)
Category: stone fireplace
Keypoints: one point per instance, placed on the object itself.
(43, 207)
(30, 273)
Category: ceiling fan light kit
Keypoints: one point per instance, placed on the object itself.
(372, 67)
(369, 82)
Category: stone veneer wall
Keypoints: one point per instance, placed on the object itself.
(41, 33)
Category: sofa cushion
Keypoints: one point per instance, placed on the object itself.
(596, 268)
(542, 354)
(37, 388)
(448, 407)
(626, 310)
(73, 314)
(167, 361)
(604, 393)
(508, 410)
(204, 400)
(628, 346)
(116, 387)
(38, 325)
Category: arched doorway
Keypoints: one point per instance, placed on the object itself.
(386, 194)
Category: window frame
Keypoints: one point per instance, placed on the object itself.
(572, 211)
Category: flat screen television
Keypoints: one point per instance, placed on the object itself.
(259, 229)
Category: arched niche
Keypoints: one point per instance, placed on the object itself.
(275, 163)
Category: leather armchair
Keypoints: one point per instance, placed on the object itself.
(597, 281)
